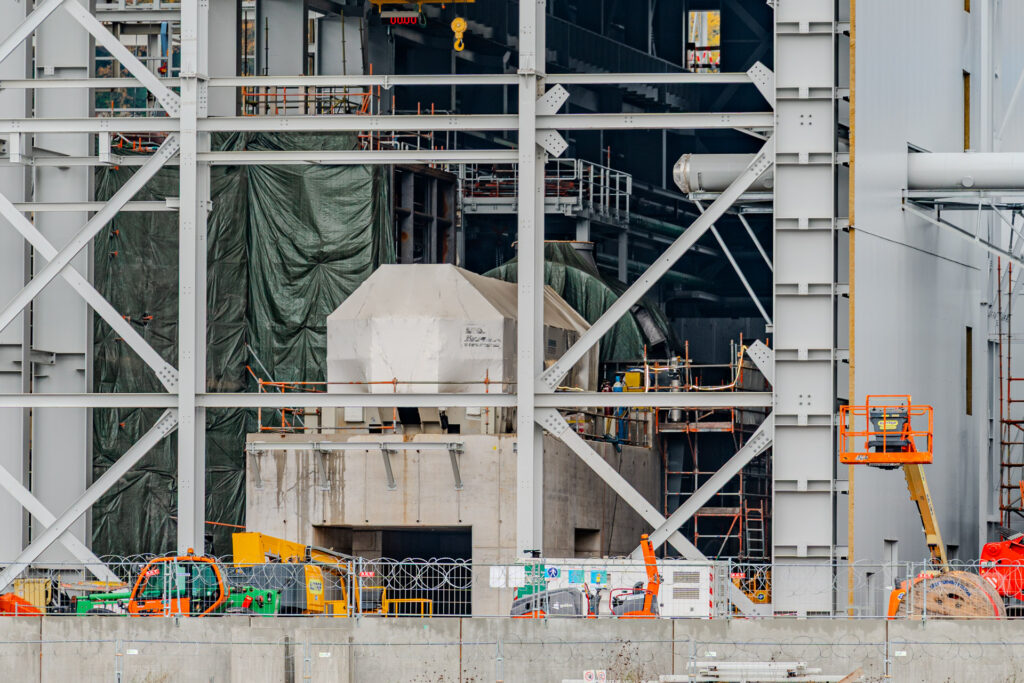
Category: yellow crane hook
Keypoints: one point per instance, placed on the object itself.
(459, 27)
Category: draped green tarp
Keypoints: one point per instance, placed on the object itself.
(286, 245)
(577, 281)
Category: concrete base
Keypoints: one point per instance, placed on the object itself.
(251, 650)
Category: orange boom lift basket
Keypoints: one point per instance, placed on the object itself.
(888, 431)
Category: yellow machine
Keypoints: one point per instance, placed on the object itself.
(328, 579)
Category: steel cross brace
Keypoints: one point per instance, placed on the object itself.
(165, 372)
(736, 268)
(550, 378)
(62, 260)
(756, 444)
(551, 420)
(164, 426)
(46, 518)
(167, 98)
(911, 207)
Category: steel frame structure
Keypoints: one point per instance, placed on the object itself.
(188, 127)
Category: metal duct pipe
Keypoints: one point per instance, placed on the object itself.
(965, 170)
(715, 172)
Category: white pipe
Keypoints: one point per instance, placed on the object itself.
(925, 171)
(965, 170)
(715, 172)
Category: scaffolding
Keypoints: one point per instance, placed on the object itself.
(696, 443)
(1011, 426)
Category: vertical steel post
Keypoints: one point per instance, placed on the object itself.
(623, 245)
(195, 197)
(530, 330)
(15, 358)
(804, 310)
(60, 318)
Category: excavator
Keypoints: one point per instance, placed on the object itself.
(890, 432)
(638, 602)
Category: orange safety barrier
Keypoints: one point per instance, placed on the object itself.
(887, 431)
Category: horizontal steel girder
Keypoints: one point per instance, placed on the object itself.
(400, 122)
(566, 400)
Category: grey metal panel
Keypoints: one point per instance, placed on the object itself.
(224, 62)
(339, 37)
(804, 234)
(60, 318)
(282, 22)
(940, 280)
(12, 278)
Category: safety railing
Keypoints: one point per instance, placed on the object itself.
(622, 426)
(573, 184)
(440, 587)
(296, 419)
(887, 430)
(625, 426)
(304, 100)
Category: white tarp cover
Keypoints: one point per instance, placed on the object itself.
(439, 329)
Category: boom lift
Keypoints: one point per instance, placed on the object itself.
(890, 432)
(638, 602)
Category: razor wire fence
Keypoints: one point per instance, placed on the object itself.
(446, 587)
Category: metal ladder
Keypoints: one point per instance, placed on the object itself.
(753, 530)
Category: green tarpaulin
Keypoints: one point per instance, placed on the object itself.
(287, 244)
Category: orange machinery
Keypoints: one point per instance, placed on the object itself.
(638, 602)
(623, 600)
(887, 431)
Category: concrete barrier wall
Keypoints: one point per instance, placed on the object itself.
(72, 649)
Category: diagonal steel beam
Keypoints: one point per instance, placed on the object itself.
(63, 258)
(764, 160)
(736, 268)
(167, 98)
(757, 242)
(23, 30)
(165, 372)
(757, 444)
(553, 422)
(164, 426)
(975, 237)
(46, 518)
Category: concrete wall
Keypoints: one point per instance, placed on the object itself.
(255, 650)
(286, 496)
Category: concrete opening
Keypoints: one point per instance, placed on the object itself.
(443, 586)
(587, 543)
(404, 544)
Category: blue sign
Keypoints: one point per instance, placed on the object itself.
(597, 578)
(553, 572)
(575, 576)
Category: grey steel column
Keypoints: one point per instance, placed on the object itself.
(60, 318)
(224, 56)
(530, 331)
(804, 469)
(623, 274)
(280, 29)
(15, 368)
(194, 191)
